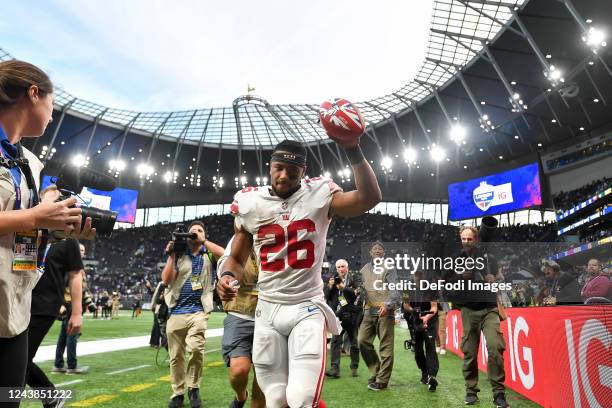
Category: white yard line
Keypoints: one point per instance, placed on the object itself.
(85, 348)
(129, 369)
(68, 383)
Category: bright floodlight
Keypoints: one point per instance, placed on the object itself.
(457, 133)
(555, 73)
(327, 174)
(410, 155)
(386, 162)
(595, 38)
(265, 180)
(243, 179)
(118, 165)
(79, 160)
(437, 153)
(168, 177)
(144, 169)
(346, 172)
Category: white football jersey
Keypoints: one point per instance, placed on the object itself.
(289, 237)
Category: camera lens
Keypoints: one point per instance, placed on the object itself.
(102, 220)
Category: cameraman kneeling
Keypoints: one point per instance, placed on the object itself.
(188, 275)
(424, 313)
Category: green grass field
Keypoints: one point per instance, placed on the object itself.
(149, 386)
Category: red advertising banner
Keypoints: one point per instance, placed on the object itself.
(556, 356)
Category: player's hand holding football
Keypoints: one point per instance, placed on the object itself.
(226, 290)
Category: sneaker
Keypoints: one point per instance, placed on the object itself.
(194, 397)
(376, 386)
(471, 399)
(432, 383)
(78, 370)
(239, 404)
(58, 370)
(176, 401)
(500, 401)
(442, 352)
(333, 373)
(354, 372)
(437, 349)
(424, 377)
(371, 380)
(56, 403)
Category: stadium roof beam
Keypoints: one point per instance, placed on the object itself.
(601, 97)
(179, 143)
(57, 128)
(93, 130)
(315, 129)
(527, 36)
(257, 151)
(586, 112)
(421, 123)
(521, 137)
(547, 100)
(544, 130)
(156, 135)
(507, 25)
(125, 132)
(493, 3)
(201, 141)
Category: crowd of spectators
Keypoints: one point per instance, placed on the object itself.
(579, 155)
(565, 200)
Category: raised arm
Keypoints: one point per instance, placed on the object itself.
(367, 194)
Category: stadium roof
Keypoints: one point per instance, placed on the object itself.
(251, 122)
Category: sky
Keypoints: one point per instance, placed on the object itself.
(160, 55)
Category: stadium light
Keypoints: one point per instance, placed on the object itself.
(554, 75)
(116, 164)
(347, 172)
(485, 123)
(437, 153)
(457, 134)
(386, 162)
(80, 160)
(594, 38)
(327, 174)
(144, 170)
(410, 155)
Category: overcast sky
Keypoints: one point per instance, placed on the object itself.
(163, 55)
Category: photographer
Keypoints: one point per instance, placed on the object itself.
(341, 294)
(26, 108)
(480, 312)
(424, 311)
(188, 276)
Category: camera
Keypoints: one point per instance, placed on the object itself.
(71, 181)
(337, 280)
(179, 238)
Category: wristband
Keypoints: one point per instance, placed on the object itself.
(228, 273)
(354, 154)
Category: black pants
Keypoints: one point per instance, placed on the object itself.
(38, 329)
(350, 328)
(425, 344)
(155, 340)
(14, 357)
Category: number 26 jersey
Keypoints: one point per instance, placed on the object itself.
(289, 237)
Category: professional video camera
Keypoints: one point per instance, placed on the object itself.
(179, 238)
(71, 181)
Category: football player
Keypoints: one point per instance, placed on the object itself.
(286, 224)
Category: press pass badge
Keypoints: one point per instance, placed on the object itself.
(25, 251)
(195, 283)
(342, 300)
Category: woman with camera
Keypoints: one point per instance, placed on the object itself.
(26, 107)
(424, 312)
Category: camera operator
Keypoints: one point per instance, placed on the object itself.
(189, 279)
(341, 294)
(424, 310)
(480, 312)
(26, 108)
